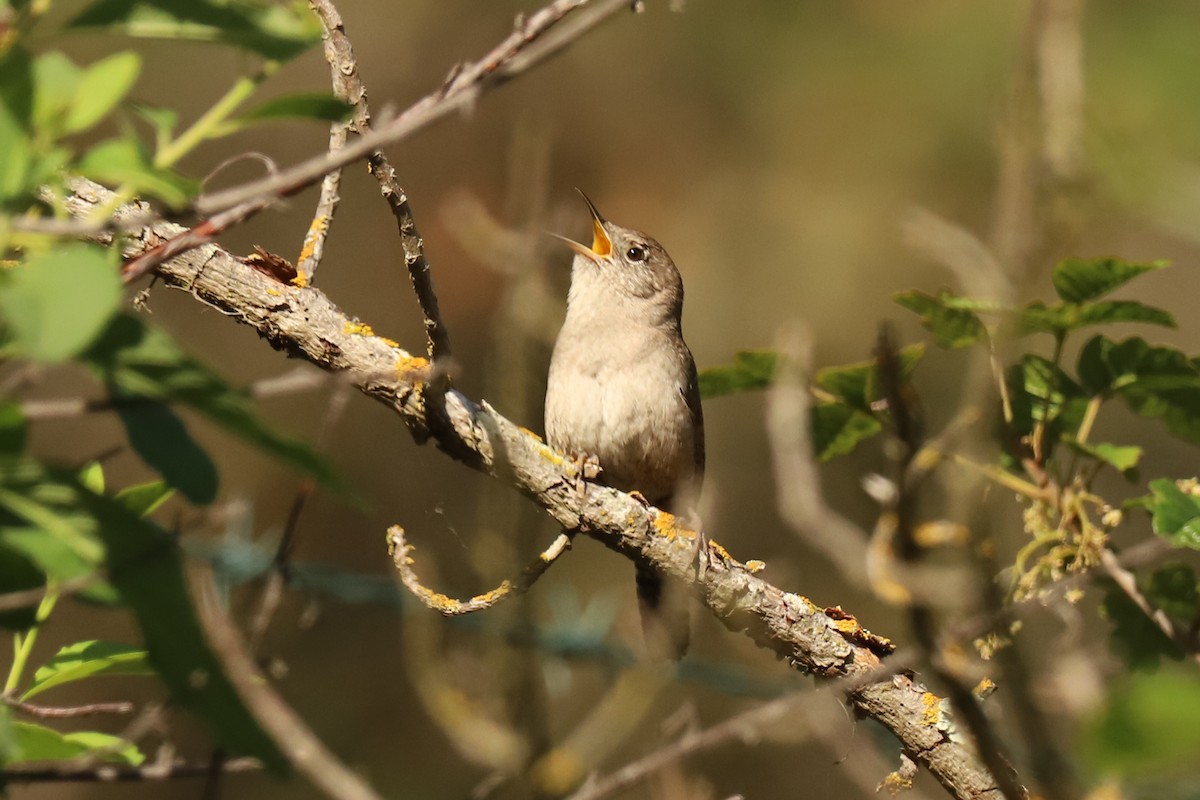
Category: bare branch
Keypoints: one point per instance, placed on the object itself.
(401, 553)
(521, 50)
(67, 712)
(827, 643)
(295, 740)
(67, 772)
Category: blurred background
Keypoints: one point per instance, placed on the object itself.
(779, 151)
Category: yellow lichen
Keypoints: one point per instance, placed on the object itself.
(847, 625)
(273, 292)
(407, 364)
(933, 709)
(389, 342)
(664, 523)
(528, 432)
(358, 329)
(318, 227)
(300, 281)
(721, 551)
(754, 565)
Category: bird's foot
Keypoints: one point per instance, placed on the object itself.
(587, 468)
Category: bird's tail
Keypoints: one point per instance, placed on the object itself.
(666, 615)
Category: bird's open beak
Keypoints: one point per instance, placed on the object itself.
(601, 244)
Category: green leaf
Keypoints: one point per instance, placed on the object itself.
(146, 566)
(1175, 514)
(751, 369)
(16, 112)
(1063, 318)
(102, 86)
(138, 361)
(13, 429)
(1155, 382)
(1123, 458)
(855, 384)
(144, 499)
(1077, 280)
(1172, 587)
(49, 503)
(273, 30)
(1111, 311)
(301, 105)
(39, 743)
(1148, 726)
(951, 325)
(1135, 637)
(55, 80)
(123, 161)
(160, 438)
(56, 303)
(837, 429)
(85, 659)
(92, 476)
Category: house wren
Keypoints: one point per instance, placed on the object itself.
(623, 388)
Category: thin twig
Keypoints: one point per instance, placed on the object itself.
(1126, 581)
(67, 712)
(400, 551)
(106, 773)
(293, 737)
(342, 69)
(294, 381)
(513, 56)
(797, 482)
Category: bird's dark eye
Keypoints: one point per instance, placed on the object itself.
(636, 253)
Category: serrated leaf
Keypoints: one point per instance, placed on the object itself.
(1175, 514)
(135, 360)
(39, 743)
(750, 370)
(1122, 458)
(855, 384)
(838, 429)
(951, 325)
(1148, 726)
(1154, 381)
(301, 105)
(101, 87)
(1078, 280)
(1063, 318)
(86, 659)
(122, 161)
(275, 31)
(56, 303)
(161, 439)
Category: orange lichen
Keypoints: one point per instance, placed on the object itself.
(300, 281)
(528, 432)
(389, 342)
(933, 709)
(358, 329)
(665, 524)
(754, 565)
(721, 551)
(319, 225)
(409, 364)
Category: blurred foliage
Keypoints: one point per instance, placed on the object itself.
(61, 307)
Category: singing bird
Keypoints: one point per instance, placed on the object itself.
(622, 388)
